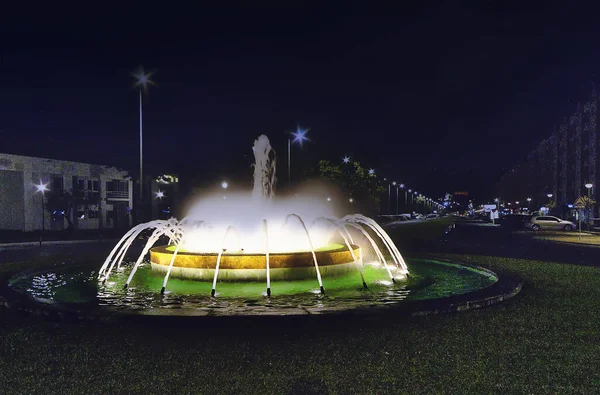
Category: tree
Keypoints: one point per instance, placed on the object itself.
(354, 180)
(63, 202)
(60, 202)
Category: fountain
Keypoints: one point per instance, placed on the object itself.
(257, 254)
(254, 239)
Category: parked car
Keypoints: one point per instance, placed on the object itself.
(549, 223)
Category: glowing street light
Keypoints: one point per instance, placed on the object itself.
(402, 187)
(346, 159)
(371, 172)
(142, 81)
(41, 187)
(160, 194)
(351, 200)
(224, 185)
(299, 136)
(329, 199)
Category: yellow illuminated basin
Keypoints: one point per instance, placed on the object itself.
(334, 261)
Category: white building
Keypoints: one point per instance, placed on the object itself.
(99, 196)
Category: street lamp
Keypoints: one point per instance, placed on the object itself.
(589, 186)
(299, 136)
(390, 196)
(160, 194)
(401, 187)
(224, 185)
(142, 81)
(41, 187)
(346, 159)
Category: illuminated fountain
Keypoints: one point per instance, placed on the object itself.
(260, 239)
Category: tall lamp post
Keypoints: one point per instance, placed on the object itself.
(142, 81)
(402, 187)
(41, 187)
(299, 136)
(589, 186)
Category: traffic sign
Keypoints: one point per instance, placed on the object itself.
(579, 202)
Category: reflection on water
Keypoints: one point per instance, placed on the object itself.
(79, 285)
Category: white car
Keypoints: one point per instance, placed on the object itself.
(549, 223)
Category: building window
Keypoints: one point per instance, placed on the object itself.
(57, 183)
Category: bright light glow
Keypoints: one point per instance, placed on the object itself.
(529, 199)
(517, 202)
(142, 79)
(300, 135)
(224, 185)
(41, 187)
(351, 200)
(410, 190)
(549, 195)
(401, 186)
(346, 159)
(371, 172)
(160, 194)
(589, 185)
(394, 183)
(329, 199)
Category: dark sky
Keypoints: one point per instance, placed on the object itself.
(445, 97)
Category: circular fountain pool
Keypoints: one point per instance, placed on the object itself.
(74, 288)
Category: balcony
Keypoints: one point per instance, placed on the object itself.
(117, 195)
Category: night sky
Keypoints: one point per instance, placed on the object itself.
(443, 98)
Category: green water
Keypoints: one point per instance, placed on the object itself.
(78, 285)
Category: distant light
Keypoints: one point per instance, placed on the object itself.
(570, 206)
(224, 185)
(224, 197)
(160, 194)
(346, 159)
(549, 195)
(401, 185)
(589, 185)
(529, 199)
(300, 135)
(410, 190)
(351, 200)
(143, 78)
(371, 172)
(394, 183)
(517, 202)
(41, 187)
(329, 199)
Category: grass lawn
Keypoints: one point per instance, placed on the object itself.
(545, 340)
(592, 239)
